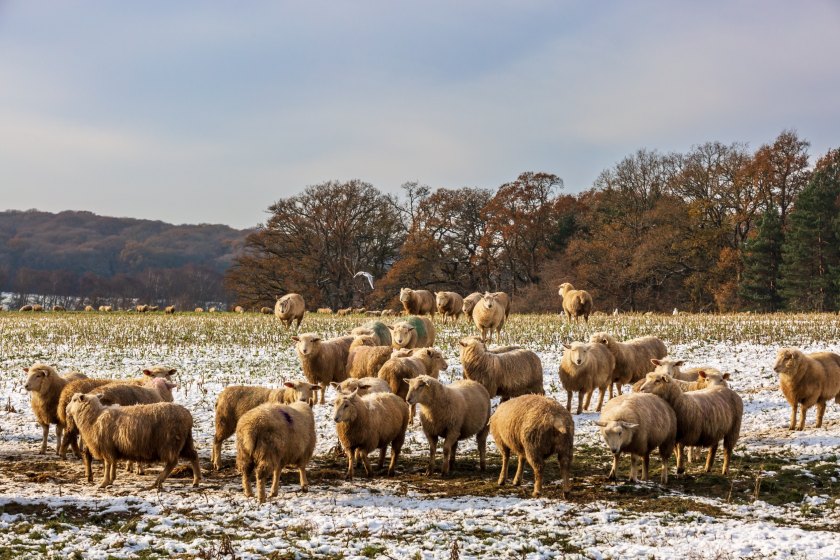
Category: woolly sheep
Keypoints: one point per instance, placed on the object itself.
(452, 412)
(141, 308)
(388, 313)
(806, 380)
(632, 357)
(507, 374)
(266, 310)
(534, 427)
(638, 423)
(469, 303)
(345, 311)
(584, 368)
(46, 384)
(146, 433)
(325, 310)
(374, 421)
(363, 386)
(88, 308)
(399, 368)
(674, 369)
(271, 437)
(449, 304)
(106, 308)
(26, 308)
(703, 417)
(169, 310)
(576, 303)
(37, 308)
(705, 378)
(59, 308)
(412, 332)
(417, 302)
(489, 315)
(199, 310)
(289, 309)
(153, 308)
(323, 361)
(365, 361)
(364, 340)
(239, 309)
(360, 310)
(377, 329)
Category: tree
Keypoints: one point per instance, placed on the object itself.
(781, 171)
(762, 264)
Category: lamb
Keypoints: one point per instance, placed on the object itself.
(323, 361)
(507, 374)
(417, 302)
(141, 308)
(534, 427)
(290, 308)
(638, 423)
(576, 303)
(412, 332)
(388, 313)
(266, 310)
(449, 304)
(378, 329)
(46, 384)
(806, 380)
(364, 386)
(365, 340)
(584, 368)
(153, 308)
(469, 303)
(453, 412)
(489, 315)
(270, 437)
(632, 357)
(236, 400)
(374, 421)
(212, 310)
(703, 417)
(169, 309)
(366, 361)
(145, 433)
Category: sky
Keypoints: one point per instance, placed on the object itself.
(208, 112)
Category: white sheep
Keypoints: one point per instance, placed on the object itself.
(584, 368)
(506, 372)
(323, 361)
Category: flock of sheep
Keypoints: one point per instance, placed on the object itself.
(383, 372)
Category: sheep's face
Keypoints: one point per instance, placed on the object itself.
(665, 365)
(418, 389)
(401, 334)
(163, 387)
(617, 434)
(79, 402)
(284, 306)
(469, 304)
(578, 353)
(787, 361)
(441, 298)
(405, 294)
(470, 342)
(160, 371)
(713, 379)
(600, 338)
(563, 288)
(432, 357)
(38, 377)
(345, 408)
(489, 300)
(307, 344)
(656, 383)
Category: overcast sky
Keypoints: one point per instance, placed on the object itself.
(210, 111)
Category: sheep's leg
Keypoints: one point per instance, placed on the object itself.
(505, 451)
(793, 411)
(432, 450)
(366, 463)
(246, 481)
(580, 402)
(565, 464)
(601, 390)
(820, 413)
(663, 477)
(680, 458)
(537, 467)
(382, 451)
(588, 399)
(87, 459)
(275, 481)
(396, 446)
(633, 467)
(612, 386)
(46, 429)
(323, 391)
(411, 414)
(618, 387)
(481, 442)
(614, 472)
(452, 454)
(520, 466)
(216, 454)
(804, 411)
(645, 465)
(304, 483)
(710, 458)
(351, 464)
(167, 470)
(196, 470)
(106, 472)
(113, 474)
(260, 484)
(690, 455)
(569, 401)
(59, 432)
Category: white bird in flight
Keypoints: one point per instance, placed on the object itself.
(367, 275)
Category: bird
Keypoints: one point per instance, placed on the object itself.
(367, 275)
(615, 313)
(675, 312)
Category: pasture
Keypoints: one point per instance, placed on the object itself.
(780, 500)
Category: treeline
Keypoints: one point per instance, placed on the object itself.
(719, 228)
(71, 258)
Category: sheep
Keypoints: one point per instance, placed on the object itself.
(449, 304)
(489, 315)
(584, 368)
(674, 369)
(323, 361)
(360, 310)
(507, 374)
(363, 385)
(377, 329)
(638, 423)
(59, 308)
(88, 308)
(365, 340)
(46, 384)
(169, 309)
(365, 361)
(290, 308)
(266, 310)
(270, 437)
(534, 427)
(399, 368)
(453, 412)
(38, 308)
(412, 332)
(388, 313)
(417, 302)
(374, 421)
(25, 308)
(199, 310)
(703, 417)
(141, 308)
(373, 313)
(106, 308)
(469, 303)
(632, 357)
(145, 433)
(705, 378)
(235, 400)
(576, 303)
(239, 309)
(324, 311)
(345, 311)
(153, 308)
(806, 380)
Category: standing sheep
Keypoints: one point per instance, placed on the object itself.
(323, 361)
(400, 368)
(169, 309)
(584, 368)
(270, 437)
(453, 412)
(534, 427)
(489, 315)
(374, 421)
(703, 417)
(469, 303)
(88, 308)
(806, 380)
(26, 308)
(632, 357)
(145, 433)
(449, 304)
(239, 309)
(412, 332)
(46, 384)
(504, 372)
(290, 308)
(378, 329)
(365, 361)
(576, 303)
(417, 302)
(638, 423)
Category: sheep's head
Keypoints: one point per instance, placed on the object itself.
(81, 401)
(616, 433)
(578, 352)
(787, 361)
(432, 357)
(401, 334)
(563, 288)
(600, 338)
(160, 371)
(284, 306)
(405, 294)
(469, 303)
(441, 298)
(713, 378)
(163, 387)
(656, 383)
(667, 365)
(345, 407)
(307, 344)
(39, 377)
(418, 389)
(489, 300)
(472, 342)
(303, 390)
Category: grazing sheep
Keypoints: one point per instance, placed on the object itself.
(469, 303)
(417, 302)
(323, 361)
(25, 308)
(365, 361)
(806, 380)
(270, 437)
(290, 308)
(504, 372)
(144, 433)
(452, 412)
(169, 309)
(38, 308)
(632, 357)
(239, 309)
(325, 311)
(374, 421)
(88, 308)
(212, 310)
(59, 308)
(106, 308)
(266, 310)
(576, 303)
(46, 384)
(534, 427)
(377, 329)
(412, 332)
(703, 417)
(449, 304)
(638, 423)
(363, 386)
(345, 311)
(489, 315)
(141, 308)
(584, 368)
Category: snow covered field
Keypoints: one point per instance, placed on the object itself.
(779, 502)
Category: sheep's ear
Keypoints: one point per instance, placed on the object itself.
(333, 384)
(701, 374)
(629, 425)
(656, 362)
(26, 370)
(316, 339)
(411, 328)
(462, 343)
(678, 363)
(727, 376)
(600, 423)
(289, 384)
(296, 338)
(172, 371)
(148, 373)
(566, 346)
